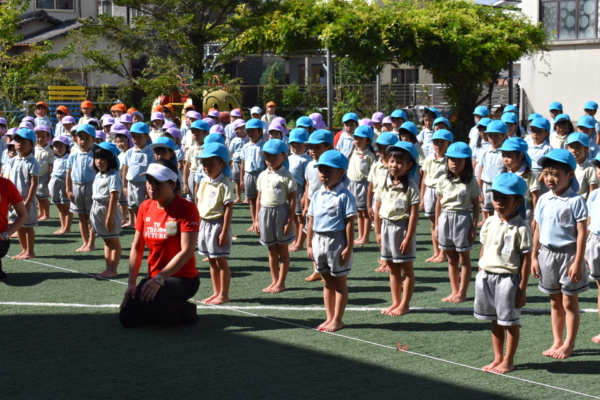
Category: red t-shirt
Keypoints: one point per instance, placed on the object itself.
(336, 138)
(161, 230)
(9, 194)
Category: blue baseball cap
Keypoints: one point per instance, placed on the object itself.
(304, 121)
(88, 129)
(559, 155)
(254, 124)
(555, 105)
(320, 136)
(590, 105)
(29, 134)
(482, 111)
(484, 122)
(587, 121)
(163, 142)
(411, 149)
(350, 117)
(497, 127)
(510, 184)
(510, 108)
(213, 138)
(398, 114)
(110, 147)
(433, 110)
(533, 116)
(561, 117)
(364, 131)
(540, 122)
(443, 121)
(140, 127)
(409, 126)
(516, 144)
(333, 159)
(459, 150)
(298, 135)
(387, 139)
(215, 149)
(200, 124)
(509, 118)
(274, 146)
(597, 160)
(579, 137)
(443, 134)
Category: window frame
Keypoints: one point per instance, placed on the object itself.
(56, 9)
(404, 71)
(556, 28)
(112, 11)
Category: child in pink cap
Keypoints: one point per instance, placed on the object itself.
(157, 120)
(57, 186)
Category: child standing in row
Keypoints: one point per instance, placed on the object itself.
(41, 115)
(45, 158)
(198, 130)
(592, 248)
(538, 147)
(253, 163)
(491, 164)
(57, 185)
(299, 159)
(345, 143)
(578, 144)
(236, 143)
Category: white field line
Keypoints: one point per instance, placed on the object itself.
(242, 311)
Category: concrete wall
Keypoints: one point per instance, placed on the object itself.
(386, 74)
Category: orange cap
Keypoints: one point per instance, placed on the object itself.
(63, 110)
(121, 107)
(189, 106)
(157, 108)
(87, 104)
(131, 110)
(271, 103)
(170, 107)
(41, 103)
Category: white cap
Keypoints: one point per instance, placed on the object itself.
(255, 110)
(160, 173)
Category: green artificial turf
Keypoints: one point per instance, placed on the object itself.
(83, 352)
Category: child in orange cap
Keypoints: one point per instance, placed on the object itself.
(41, 114)
(87, 111)
(270, 114)
(59, 129)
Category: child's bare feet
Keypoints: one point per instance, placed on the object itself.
(127, 225)
(86, 249)
(596, 339)
(59, 232)
(491, 366)
(390, 308)
(276, 289)
(383, 268)
(448, 299)
(563, 352)
(359, 242)
(205, 259)
(14, 235)
(323, 324)
(106, 274)
(219, 300)
(18, 255)
(268, 288)
(480, 224)
(503, 368)
(333, 326)
(551, 350)
(440, 259)
(209, 299)
(433, 257)
(246, 201)
(43, 218)
(458, 298)
(80, 250)
(314, 277)
(25, 255)
(238, 200)
(398, 311)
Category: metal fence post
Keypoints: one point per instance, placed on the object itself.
(329, 91)
(378, 92)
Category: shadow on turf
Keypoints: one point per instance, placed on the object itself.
(35, 278)
(569, 366)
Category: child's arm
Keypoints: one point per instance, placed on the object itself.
(287, 228)
(124, 179)
(69, 186)
(186, 175)
(32, 190)
(224, 236)
(422, 188)
(406, 245)
(535, 196)
(480, 183)
(593, 187)
(257, 207)
(370, 201)
(242, 170)
(438, 212)
(22, 215)
(473, 231)
(309, 236)
(377, 222)
(535, 266)
(306, 201)
(575, 268)
(347, 252)
(521, 298)
(113, 201)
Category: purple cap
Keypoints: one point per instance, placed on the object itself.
(169, 124)
(11, 131)
(317, 120)
(3, 122)
(237, 123)
(93, 120)
(100, 135)
(68, 120)
(11, 143)
(42, 128)
(123, 132)
(217, 129)
(63, 139)
(209, 121)
(118, 128)
(280, 120)
(193, 114)
(275, 126)
(105, 117)
(126, 118)
(236, 113)
(28, 118)
(138, 113)
(386, 120)
(157, 116)
(214, 113)
(26, 124)
(366, 121)
(176, 133)
(378, 117)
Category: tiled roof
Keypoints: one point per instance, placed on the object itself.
(51, 33)
(39, 15)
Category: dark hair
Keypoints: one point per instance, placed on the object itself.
(172, 167)
(527, 173)
(411, 135)
(597, 163)
(174, 158)
(429, 113)
(549, 163)
(405, 156)
(67, 147)
(570, 128)
(467, 173)
(124, 137)
(110, 158)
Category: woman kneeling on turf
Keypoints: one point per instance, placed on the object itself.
(168, 225)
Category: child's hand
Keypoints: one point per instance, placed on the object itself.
(309, 252)
(406, 246)
(71, 196)
(472, 235)
(435, 232)
(481, 198)
(575, 272)
(223, 239)
(535, 267)
(302, 203)
(533, 225)
(378, 238)
(422, 205)
(345, 256)
(287, 228)
(371, 214)
(125, 191)
(242, 183)
(304, 212)
(186, 189)
(109, 224)
(129, 294)
(256, 228)
(520, 299)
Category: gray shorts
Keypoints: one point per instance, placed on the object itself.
(453, 230)
(98, 218)
(488, 206)
(32, 218)
(430, 199)
(235, 171)
(360, 190)
(43, 192)
(271, 221)
(417, 178)
(299, 197)
(208, 239)
(122, 199)
(529, 213)
(554, 271)
(327, 250)
(250, 179)
(592, 254)
(392, 235)
(136, 194)
(495, 296)
(83, 198)
(58, 191)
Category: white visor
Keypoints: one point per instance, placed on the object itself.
(160, 173)
(255, 110)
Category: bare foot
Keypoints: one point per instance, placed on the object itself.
(106, 274)
(219, 300)
(359, 242)
(390, 308)
(551, 350)
(480, 224)
(246, 201)
(491, 366)
(449, 298)
(127, 225)
(503, 368)
(209, 299)
(277, 289)
(563, 352)
(14, 235)
(18, 255)
(333, 326)
(458, 298)
(237, 201)
(383, 268)
(432, 258)
(80, 250)
(293, 248)
(440, 259)
(251, 229)
(268, 288)
(43, 218)
(396, 312)
(86, 249)
(234, 237)
(323, 324)
(596, 339)
(25, 256)
(61, 232)
(314, 277)
(205, 259)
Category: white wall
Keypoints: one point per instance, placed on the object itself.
(386, 74)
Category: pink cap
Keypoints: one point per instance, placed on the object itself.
(366, 121)
(235, 113)
(275, 126)
(387, 120)
(62, 139)
(217, 129)
(176, 133)
(43, 128)
(378, 117)
(157, 116)
(237, 123)
(317, 120)
(123, 132)
(11, 143)
(209, 121)
(26, 124)
(169, 124)
(214, 113)
(68, 120)
(100, 135)
(193, 114)
(126, 118)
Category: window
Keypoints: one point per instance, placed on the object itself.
(105, 7)
(405, 75)
(570, 19)
(68, 5)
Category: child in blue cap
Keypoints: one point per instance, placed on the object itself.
(80, 181)
(239, 139)
(479, 113)
(396, 217)
(434, 167)
(276, 204)
(408, 133)
(198, 131)
(57, 187)
(253, 163)
(215, 204)
(345, 143)
(491, 163)
(481, 144)
(592, 248)
(299, 159)
(106, 217)
(512, 122)
(454, 228)
(330, 238)
(587, 125)
(430, 114)
(24, 172)
(591, 108)
(559, 244)
(501, 284)
(563, 127)
(360, 162)
(538, 146)
(555, 109)
(397, 117)
(585, 173)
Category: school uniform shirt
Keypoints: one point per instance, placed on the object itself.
(235, 147)
(190, 156)
(268, 118)
(179, 154)
(9, 195)
(161, 229)
(537, 151)
(59, 130)
(557, 217)
(478, 151)
(253, 160)
(312, 177)
(473, 136)
(593, 206)
(298, 163)
(42, 121)
(593, 151)
(558, 142)
(21, 171)
(274, 186)
(155, 134)
(457, 196)
(82, 166)
(504, 242)
(491, 164)
(44, 157)
(213, 195)
(137, 161)
(345, 144)
(585, 173)
(230, 133)
(360, 164)
(435, 169)
(377, 174)
(59, 167)
(84, 120)
(421, 153)
(105, 184)
(425, 137)
(532, 183)
(331, 208)
(395, 204)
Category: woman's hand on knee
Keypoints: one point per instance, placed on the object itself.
(129, 294)
(149, 290)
